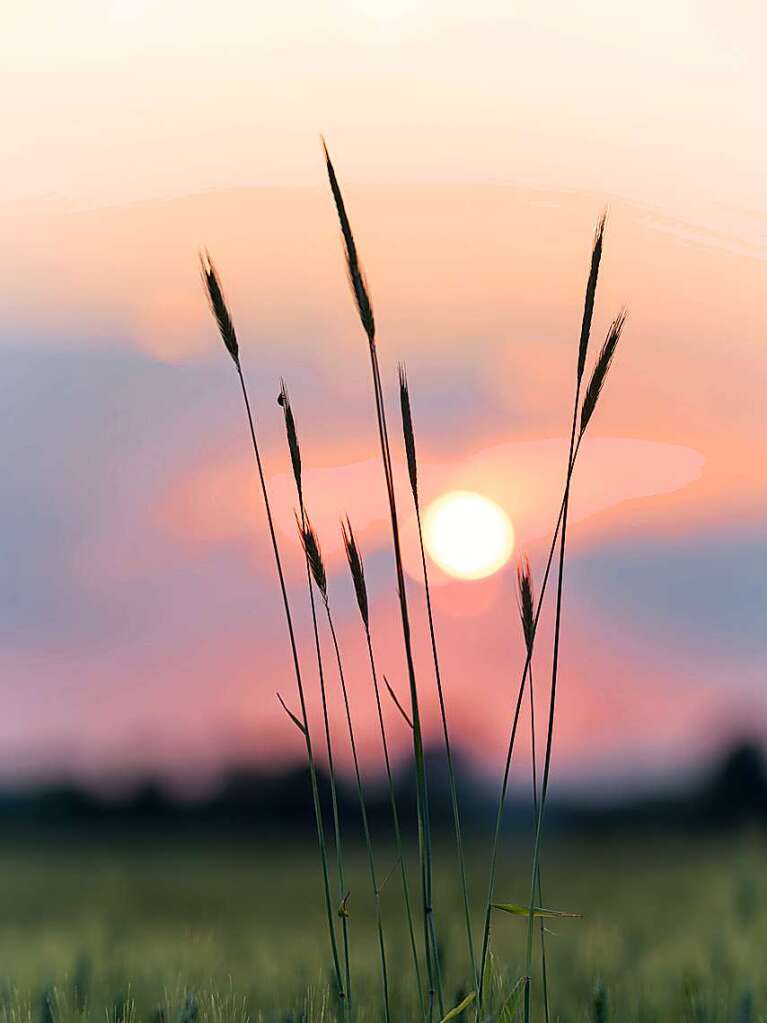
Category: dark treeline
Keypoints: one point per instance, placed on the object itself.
(252, 801)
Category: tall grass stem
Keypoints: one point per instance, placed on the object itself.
(364, 307)
(408, 431)
(226, 328)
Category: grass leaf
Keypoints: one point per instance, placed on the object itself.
(538, 911)
(458, 1009)
(397, 704)
(291, 715)
(511, 1006)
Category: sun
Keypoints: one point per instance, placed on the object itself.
(468, 535)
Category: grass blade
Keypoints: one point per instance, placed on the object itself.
(513, 1003)
(291, 715)
(537, 911)
(460, 1008)
(397, 703)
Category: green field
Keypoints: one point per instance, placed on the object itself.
(120, 929)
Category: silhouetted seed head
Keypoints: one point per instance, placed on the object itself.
(314, 555)
(218, 305)
(290, 430)
(525, 601)
(353, 267)
(603, 362)
(407, 430)
(357, 570)
(591, 291)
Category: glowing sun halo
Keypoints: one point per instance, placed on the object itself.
(468, 535)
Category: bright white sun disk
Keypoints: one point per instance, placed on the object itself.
(468, 535)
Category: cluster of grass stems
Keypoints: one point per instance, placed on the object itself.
(420, 915)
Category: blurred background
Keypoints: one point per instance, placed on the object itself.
(141, 638)
(478, 146)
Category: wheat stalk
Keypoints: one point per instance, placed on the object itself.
(314, 557)
(295, 458)
(585, 332)
(526, 603)
(357, 570)
(603, 365)
(408, 432)
(364, 307)
(225, 324)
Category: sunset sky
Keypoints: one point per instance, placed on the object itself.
(477, 143)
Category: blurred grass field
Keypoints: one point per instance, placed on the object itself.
(124, 929)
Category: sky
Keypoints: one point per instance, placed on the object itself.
(140, 628)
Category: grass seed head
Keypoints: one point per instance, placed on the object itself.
(603, 363)
(591, 291)
(218, 305)
(357, 570)
(290, 430)
(407, 430)
(314, 555)
(526, 601)
(354, 268)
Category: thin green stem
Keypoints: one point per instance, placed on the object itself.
(331, 763)
(364, 813)
(510, 748)
(552, 697)
(592, 393)
(395, 817)
(448, 750)
(422, 802)
(342, 994)
(534, 761)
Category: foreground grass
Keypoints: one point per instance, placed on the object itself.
(126, 930)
